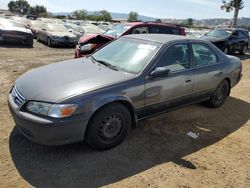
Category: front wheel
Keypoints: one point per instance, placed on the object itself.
(109, 127)
(219, 95)
(243, 51)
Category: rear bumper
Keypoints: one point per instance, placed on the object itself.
(48, 131)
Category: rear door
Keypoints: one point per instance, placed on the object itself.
(208, 69)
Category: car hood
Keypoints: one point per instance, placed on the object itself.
(13, 28)
(88, 37)
(61, 33)
(215, 39)
(58, 81)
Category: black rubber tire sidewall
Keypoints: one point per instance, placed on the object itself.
(92, 136)
(212, 102)
(242, 51)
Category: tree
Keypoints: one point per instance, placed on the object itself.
(235, 5)
(158, 20)
(105, 16)
(38, 10)
(80, 14)
(20, 6)
(133, 16)
(190, 22)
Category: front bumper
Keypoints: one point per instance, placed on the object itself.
(48, 131)
(63, 42)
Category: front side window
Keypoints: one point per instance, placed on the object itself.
(175, 58)
(203, 55)
(128, 55)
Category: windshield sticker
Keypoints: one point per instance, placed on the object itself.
(147, 47)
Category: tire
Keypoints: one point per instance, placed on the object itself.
(219, 96)
(108, 127)
(37, 38)
(49, 42)
(226, 50)
(243, 51)
(30, 42)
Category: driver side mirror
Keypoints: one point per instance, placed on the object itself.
(160, 72)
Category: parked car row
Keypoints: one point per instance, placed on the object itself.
(88, 36)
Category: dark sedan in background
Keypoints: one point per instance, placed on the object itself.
(229, 40)
(98, 98)
(14, 32)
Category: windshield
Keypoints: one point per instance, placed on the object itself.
(92, 30)
(118, 30)
(11, 23)
(57, 27)
(219, 33)
(128, 55)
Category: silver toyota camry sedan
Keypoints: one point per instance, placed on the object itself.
(99, 98)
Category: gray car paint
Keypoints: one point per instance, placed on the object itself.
(91, 85)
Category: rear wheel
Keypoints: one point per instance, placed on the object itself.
(219, 95)
(243, 51)
(109, 127)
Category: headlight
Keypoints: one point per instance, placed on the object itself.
(74, 38)
(51, 110)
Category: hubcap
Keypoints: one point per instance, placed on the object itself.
(220, 93)
(110, 127)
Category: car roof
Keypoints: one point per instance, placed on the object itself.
(232, 29)
(160, 38)
(152, 23)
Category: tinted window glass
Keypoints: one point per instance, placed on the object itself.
(241, 34)
(164, 30)
(203, 55)
(140, 30)
(175, 58)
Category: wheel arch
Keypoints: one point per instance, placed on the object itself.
(229, 82)
(121, 100)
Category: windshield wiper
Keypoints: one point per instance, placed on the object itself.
(105, 63)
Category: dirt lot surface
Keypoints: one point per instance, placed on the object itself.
(158, 153)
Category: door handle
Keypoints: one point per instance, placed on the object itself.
(188, 80)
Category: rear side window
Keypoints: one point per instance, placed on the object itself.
(203, 55)
(164, 30)
(140, 30)
(175, 58)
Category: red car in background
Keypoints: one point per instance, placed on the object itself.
(89, 43)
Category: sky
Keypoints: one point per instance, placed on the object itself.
(179, 9)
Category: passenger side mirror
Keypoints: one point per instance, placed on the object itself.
(160, 72)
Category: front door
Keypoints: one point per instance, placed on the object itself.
(175, 88)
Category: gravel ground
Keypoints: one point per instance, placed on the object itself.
(158, 153)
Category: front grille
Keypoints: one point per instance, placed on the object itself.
(17, 96)
(66, 37)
